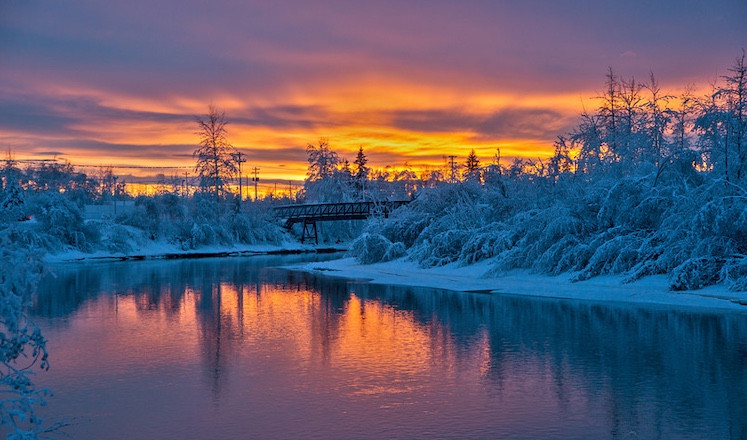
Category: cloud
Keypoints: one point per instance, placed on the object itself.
(412, 80)
(506, 123)
(534, 124)
(32, 116)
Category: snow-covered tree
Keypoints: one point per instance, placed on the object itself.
(215, 156)
(656, 120)
(329, 178)
(12, 205)
(734, 96)
(22, 346)
(322, 160)
(646, 184)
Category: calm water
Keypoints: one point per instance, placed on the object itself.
(235, 349)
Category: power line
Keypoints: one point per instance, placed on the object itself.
(128, 167)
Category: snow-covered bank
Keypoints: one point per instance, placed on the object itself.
(649, 290)
(162, 250)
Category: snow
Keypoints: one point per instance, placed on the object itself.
(652, 290)
(162, 249)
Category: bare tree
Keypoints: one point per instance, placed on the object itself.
(734, 93)
(722, 124)
(215, 156)
(657, 120)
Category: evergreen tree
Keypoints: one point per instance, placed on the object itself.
(13, 203)
(361, 170)
(472, 166)
(361, 173)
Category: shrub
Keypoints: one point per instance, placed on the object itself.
(374, 248)
(695, 273)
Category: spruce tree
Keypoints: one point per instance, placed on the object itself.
(472, 166)
(361, 170)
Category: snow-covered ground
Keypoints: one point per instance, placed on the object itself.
(649, 290)
(160, 249)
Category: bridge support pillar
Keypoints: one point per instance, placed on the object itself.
(309, 231)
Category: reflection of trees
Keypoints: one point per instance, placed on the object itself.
(215, 343)
(326, 316)
(697, 360)
(611, 353)
(163, 282)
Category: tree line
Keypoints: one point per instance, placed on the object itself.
(646, 184)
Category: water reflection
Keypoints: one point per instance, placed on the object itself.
(282, 354)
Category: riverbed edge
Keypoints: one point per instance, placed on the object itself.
(650, 291)
(170, 252)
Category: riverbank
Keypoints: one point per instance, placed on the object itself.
(650, 290)
(167, 251)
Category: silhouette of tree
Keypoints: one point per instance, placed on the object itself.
(361, 170)
(472, 166)
(215, 156)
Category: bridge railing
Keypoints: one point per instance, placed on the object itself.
(335, 211)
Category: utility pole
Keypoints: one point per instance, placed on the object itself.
(290, 190)
(453, 170)
(114, 194)
(255, 179)
(239, 160)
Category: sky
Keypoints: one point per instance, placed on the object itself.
(120, 83)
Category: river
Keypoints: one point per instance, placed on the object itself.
(237, 348)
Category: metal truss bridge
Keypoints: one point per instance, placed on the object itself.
(310, 214)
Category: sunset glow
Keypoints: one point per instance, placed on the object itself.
(120, 85)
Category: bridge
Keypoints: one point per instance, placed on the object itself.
(310, 214)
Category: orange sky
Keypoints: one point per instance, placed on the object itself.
(120, 84)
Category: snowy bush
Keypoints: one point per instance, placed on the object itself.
(145, 215)
(695, 273)
(565, 255)
(395, 251)
(403, 225)
(486, 242)
(375, 248)
(440, 249)
(121, 239)
(62, 220)
(735, 272)
(199, 221)
(256, 225)
(625, 226)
